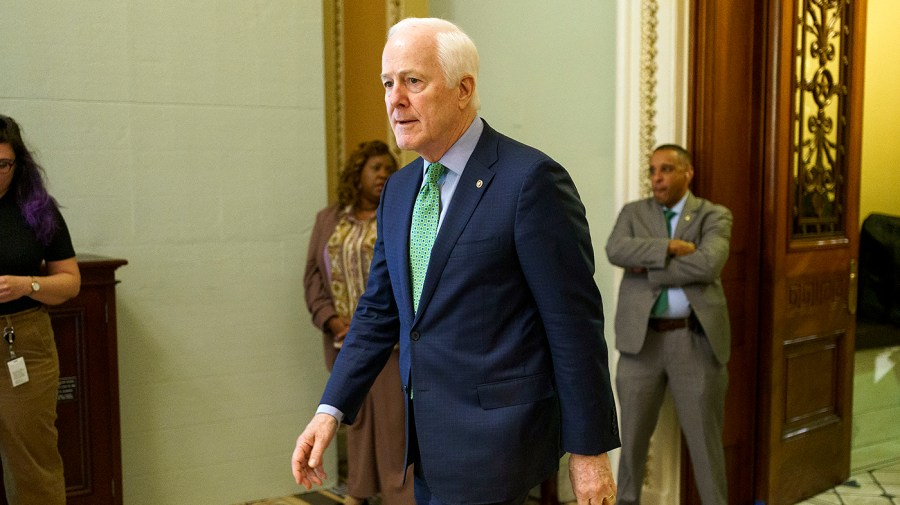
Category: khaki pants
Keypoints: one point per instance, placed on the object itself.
(32, 466)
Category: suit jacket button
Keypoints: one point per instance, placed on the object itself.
(414, 335)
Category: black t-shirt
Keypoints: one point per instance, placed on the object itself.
(21, 253)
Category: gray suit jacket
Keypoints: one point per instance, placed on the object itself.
(640, 239)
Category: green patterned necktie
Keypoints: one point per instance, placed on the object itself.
(424, 228)
(662, 303)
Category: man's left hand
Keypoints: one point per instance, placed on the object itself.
(592, 479)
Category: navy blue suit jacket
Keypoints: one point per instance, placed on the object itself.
(506, 356)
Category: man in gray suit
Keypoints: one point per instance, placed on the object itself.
(672, 326)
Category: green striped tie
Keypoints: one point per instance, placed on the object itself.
(424, 228)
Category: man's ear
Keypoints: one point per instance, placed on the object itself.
(466, 90)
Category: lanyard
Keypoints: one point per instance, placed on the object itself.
(9, 334)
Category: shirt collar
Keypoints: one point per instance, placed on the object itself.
(458, 155)
(678, 207)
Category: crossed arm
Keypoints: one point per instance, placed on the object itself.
(672, 262)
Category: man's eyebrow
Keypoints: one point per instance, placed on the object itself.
(400, 73)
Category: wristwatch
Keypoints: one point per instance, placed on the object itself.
(35, 286)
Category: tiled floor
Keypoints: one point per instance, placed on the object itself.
(880, 486)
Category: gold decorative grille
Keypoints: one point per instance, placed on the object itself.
(821, 59)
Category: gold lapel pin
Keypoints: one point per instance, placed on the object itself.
(479, 183)
(687, 218)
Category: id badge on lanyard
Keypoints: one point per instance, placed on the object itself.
(17, 371)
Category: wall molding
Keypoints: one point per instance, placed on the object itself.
(651, 88)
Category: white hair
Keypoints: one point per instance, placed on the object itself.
(457, 54)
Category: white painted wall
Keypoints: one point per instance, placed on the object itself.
(188, 138)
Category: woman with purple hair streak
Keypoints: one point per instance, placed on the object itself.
(37, 268)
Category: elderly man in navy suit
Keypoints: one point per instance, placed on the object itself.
(672, 325)
(499, 322)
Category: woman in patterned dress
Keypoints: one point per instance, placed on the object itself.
(337, 268)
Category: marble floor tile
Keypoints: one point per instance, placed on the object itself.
(827, 498)
(892, 489)
(860, 487)
(866, 500)
(886, 476)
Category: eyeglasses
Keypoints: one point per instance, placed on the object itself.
(6, 165)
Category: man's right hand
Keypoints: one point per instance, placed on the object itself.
(306, 462)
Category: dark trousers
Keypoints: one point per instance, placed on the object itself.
(421, 490)
(424, 496)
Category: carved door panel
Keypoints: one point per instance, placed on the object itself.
(811, 220)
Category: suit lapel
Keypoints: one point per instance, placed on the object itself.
(409, 181)
(688, 215)
(657, 218)
(472, 185)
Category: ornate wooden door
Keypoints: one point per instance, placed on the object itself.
(812, 148)
(775, 119)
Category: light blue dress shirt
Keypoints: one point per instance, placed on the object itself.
(679, 307)
(455, 159)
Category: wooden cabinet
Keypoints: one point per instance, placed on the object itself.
(88, 399)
